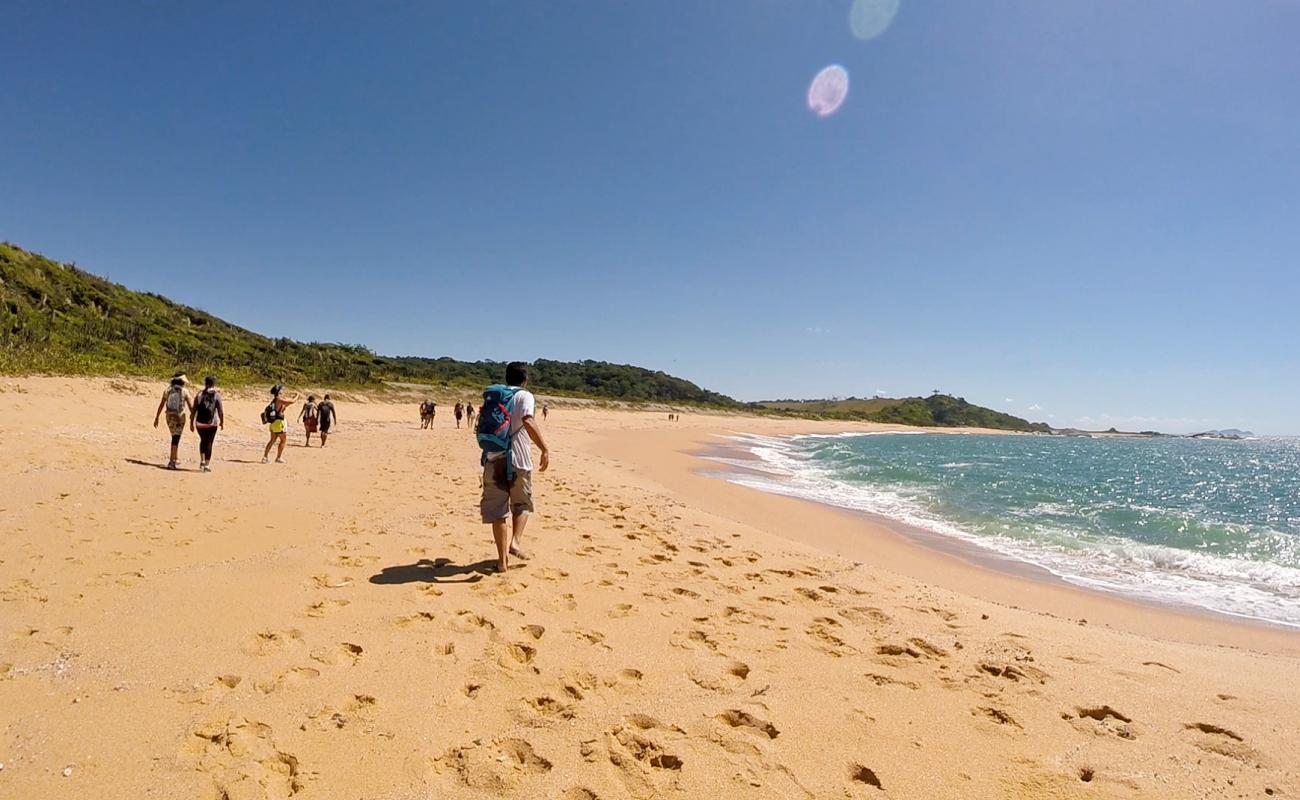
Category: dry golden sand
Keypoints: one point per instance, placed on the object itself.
(320, 629)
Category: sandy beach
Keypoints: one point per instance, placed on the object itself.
(326, 628)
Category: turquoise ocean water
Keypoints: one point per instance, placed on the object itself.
(1212, 524)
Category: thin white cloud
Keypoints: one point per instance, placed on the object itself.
(1035, 407)
(816, 331)
(1009, 400)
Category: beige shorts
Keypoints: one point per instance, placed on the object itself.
(500, 501)
(175, 423)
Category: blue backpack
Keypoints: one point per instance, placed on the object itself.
(493, 430)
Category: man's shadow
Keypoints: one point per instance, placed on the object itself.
(439, 570)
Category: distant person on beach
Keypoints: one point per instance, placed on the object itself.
(424, 414)
(325, 411)
(208, 417)
(176, 402)
(273, 416)
(459, 412)
(546, 411)
(309, 416)
(469, 416)
(506, 432)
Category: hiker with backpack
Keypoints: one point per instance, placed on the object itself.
(208, 417)
(308, 417)
(176, 402)
(506, 431)
(273, 415)
(325, 412)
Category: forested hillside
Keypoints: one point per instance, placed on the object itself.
(57, 318)
(937, 410)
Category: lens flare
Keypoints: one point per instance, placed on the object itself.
(827, 92)
(870, 18)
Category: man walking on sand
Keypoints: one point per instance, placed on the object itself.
(327, 416)
(508, 473)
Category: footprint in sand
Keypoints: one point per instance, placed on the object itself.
(577, 684)
(639, 750)
(289, 679)
(861, 776)
(328, 582)
(267, 643)
(341, 653)
(564, 602)
(209, 693)
(546, 707)
(496, 768)
(732, 674)
(826, 641)
(469, 622)
(748, 723)
(418, 618)
(1100, 721)
(351, 712)
(997, 715)
(516, 655)
(242, 759)
(1216, 739)
(323, 607)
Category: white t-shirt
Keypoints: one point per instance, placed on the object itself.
(521, 449)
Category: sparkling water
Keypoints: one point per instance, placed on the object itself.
(1209, 523)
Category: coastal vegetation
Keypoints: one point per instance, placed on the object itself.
(937, 410)
(56, 318)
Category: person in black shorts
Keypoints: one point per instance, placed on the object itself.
(325, 418)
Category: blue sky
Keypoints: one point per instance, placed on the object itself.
(1082, 211)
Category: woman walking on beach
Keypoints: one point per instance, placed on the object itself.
(208, 417)
(308, 417)
(469, 416)
(460, 412)
(273, 416)
(176, 401)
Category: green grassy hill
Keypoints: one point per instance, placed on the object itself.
(937, 410)
(59, 319)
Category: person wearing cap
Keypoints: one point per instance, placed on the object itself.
(177, 403)
(274, 417)
(208, 416)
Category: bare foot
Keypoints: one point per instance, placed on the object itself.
(517, 553)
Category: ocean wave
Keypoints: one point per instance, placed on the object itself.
(1242, 587)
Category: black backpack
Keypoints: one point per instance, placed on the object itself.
(205, 411)
(271, 413)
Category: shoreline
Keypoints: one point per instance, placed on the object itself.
(931, 558)
(971, 551)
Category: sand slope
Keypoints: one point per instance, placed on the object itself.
(322, 629)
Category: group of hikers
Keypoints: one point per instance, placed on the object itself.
(462, 411)
(506, 433)
(206, 416)
(428, 410)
